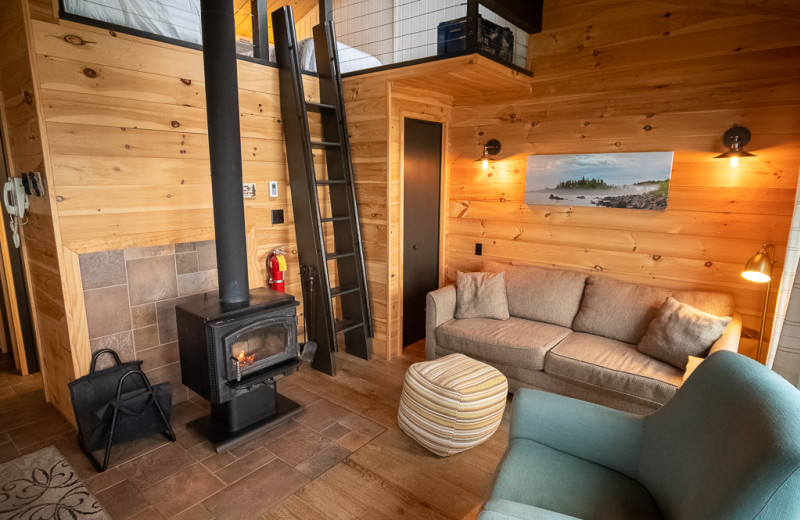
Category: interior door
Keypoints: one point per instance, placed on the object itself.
(422, 159)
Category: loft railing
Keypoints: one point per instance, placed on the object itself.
(371, 33)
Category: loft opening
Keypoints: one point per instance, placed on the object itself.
(372, 34)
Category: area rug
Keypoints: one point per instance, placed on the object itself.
(43, 486)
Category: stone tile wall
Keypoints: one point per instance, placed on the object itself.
(130, 300)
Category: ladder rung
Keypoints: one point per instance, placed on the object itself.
(339, 291)
(327, 182)
(318, 107)
(334, 219)
(325, 144)
(334, 256)
(346, 325)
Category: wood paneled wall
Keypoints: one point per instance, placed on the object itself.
(367, 107)
(635, 76)
(40, 245)
(126, 124)
(127, 141)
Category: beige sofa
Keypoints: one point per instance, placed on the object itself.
(573, 334)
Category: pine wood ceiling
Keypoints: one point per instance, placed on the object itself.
(241, 11)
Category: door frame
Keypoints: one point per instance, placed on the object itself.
(6, 274)
(444, 177)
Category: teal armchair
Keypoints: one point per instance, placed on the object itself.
(726, 447)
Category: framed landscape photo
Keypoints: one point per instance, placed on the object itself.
(612, 180)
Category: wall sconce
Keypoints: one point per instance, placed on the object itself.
(736, 138)
(759, 269)
(492, 147)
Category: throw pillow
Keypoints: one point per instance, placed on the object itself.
(679, 331)
(548, 295)
(481, 295)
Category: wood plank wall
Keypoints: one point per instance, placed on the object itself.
(40, 247)
(126, 127)
(633, 76)
(367, 107)
(126, 124)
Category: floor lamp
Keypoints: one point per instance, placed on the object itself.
(759, 269)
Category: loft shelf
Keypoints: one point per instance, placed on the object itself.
(459, 76)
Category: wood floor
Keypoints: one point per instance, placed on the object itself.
(342, 458)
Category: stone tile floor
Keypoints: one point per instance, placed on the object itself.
(342, 457)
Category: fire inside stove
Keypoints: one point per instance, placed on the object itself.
(244, 360)
(256, 345)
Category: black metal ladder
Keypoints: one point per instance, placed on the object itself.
(344, 308)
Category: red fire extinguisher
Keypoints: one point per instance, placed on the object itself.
(276, 266)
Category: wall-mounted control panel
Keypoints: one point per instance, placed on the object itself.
(249, 190)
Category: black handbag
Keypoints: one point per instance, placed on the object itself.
(117, 405)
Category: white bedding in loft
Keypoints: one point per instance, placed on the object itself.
(180, 19)
(350, 59)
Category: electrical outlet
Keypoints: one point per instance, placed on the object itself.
(479, 249)
(277, 216)
(273, 189)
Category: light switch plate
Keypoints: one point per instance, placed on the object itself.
(273, 189)
(249, 190)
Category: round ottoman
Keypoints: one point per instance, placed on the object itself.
(451, 404)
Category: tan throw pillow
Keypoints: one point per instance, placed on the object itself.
(679, 331)
(534, 293)
(481, 295)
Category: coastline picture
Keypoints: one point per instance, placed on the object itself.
(612, 180)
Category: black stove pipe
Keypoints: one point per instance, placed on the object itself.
(224, 143)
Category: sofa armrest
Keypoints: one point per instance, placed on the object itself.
(440, 307)
(730, 336)
(500, 509)
(592, 432)
(728, 341)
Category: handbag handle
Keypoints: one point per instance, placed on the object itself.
(99, 353)
(132, 372)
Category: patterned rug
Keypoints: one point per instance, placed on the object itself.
(43, 486)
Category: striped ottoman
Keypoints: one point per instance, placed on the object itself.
(452, 404)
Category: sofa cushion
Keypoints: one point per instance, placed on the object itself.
(623, 311)
(679, 331)
(613, 365)
(618, 310)
(514, 341)
(549, 479)
(481, 295)
(548, 295)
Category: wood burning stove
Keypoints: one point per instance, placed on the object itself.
(232, 355)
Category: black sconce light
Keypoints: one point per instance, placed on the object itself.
(735, 139)
(492, 147)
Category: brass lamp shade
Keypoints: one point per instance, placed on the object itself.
(758, 268)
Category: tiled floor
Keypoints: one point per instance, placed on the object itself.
(342, 457)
